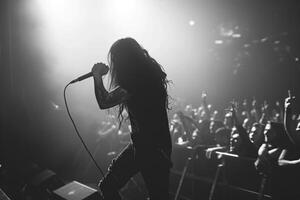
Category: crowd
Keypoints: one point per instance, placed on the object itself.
(268, 134)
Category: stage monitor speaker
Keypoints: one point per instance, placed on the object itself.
(76, 191)
(41, 185)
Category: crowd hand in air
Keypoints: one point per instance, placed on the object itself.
(232, 110)
(289, 100)
(203, 97)
(99, 69)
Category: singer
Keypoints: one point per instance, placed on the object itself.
(139, 85)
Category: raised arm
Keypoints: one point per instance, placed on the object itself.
(283, 161)
(288, 122)
(104, 98)
(205, 106)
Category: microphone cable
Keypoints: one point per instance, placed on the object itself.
(77, 132)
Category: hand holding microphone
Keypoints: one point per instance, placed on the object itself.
(98, 69)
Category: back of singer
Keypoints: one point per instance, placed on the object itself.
(139, 85)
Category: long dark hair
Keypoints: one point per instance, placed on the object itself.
(132, 68)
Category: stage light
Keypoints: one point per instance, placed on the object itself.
(277, 42)
(219, 41)
(225, 32)
(264, 39)
(191, 22)
(55, 106)
(236, 35)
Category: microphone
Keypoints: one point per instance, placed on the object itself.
(80, 78)
(103, 70)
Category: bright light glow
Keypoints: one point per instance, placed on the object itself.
(191, 22)
(277, 42)
(71, 192)
(264, 39)
(55, 106)
(219, 41)
(75, 34)
(226, 32)
(236, 35)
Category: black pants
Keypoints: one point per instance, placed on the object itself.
(154, 165)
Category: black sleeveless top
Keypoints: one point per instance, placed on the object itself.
(148, 118)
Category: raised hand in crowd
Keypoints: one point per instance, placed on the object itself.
(291, 124)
